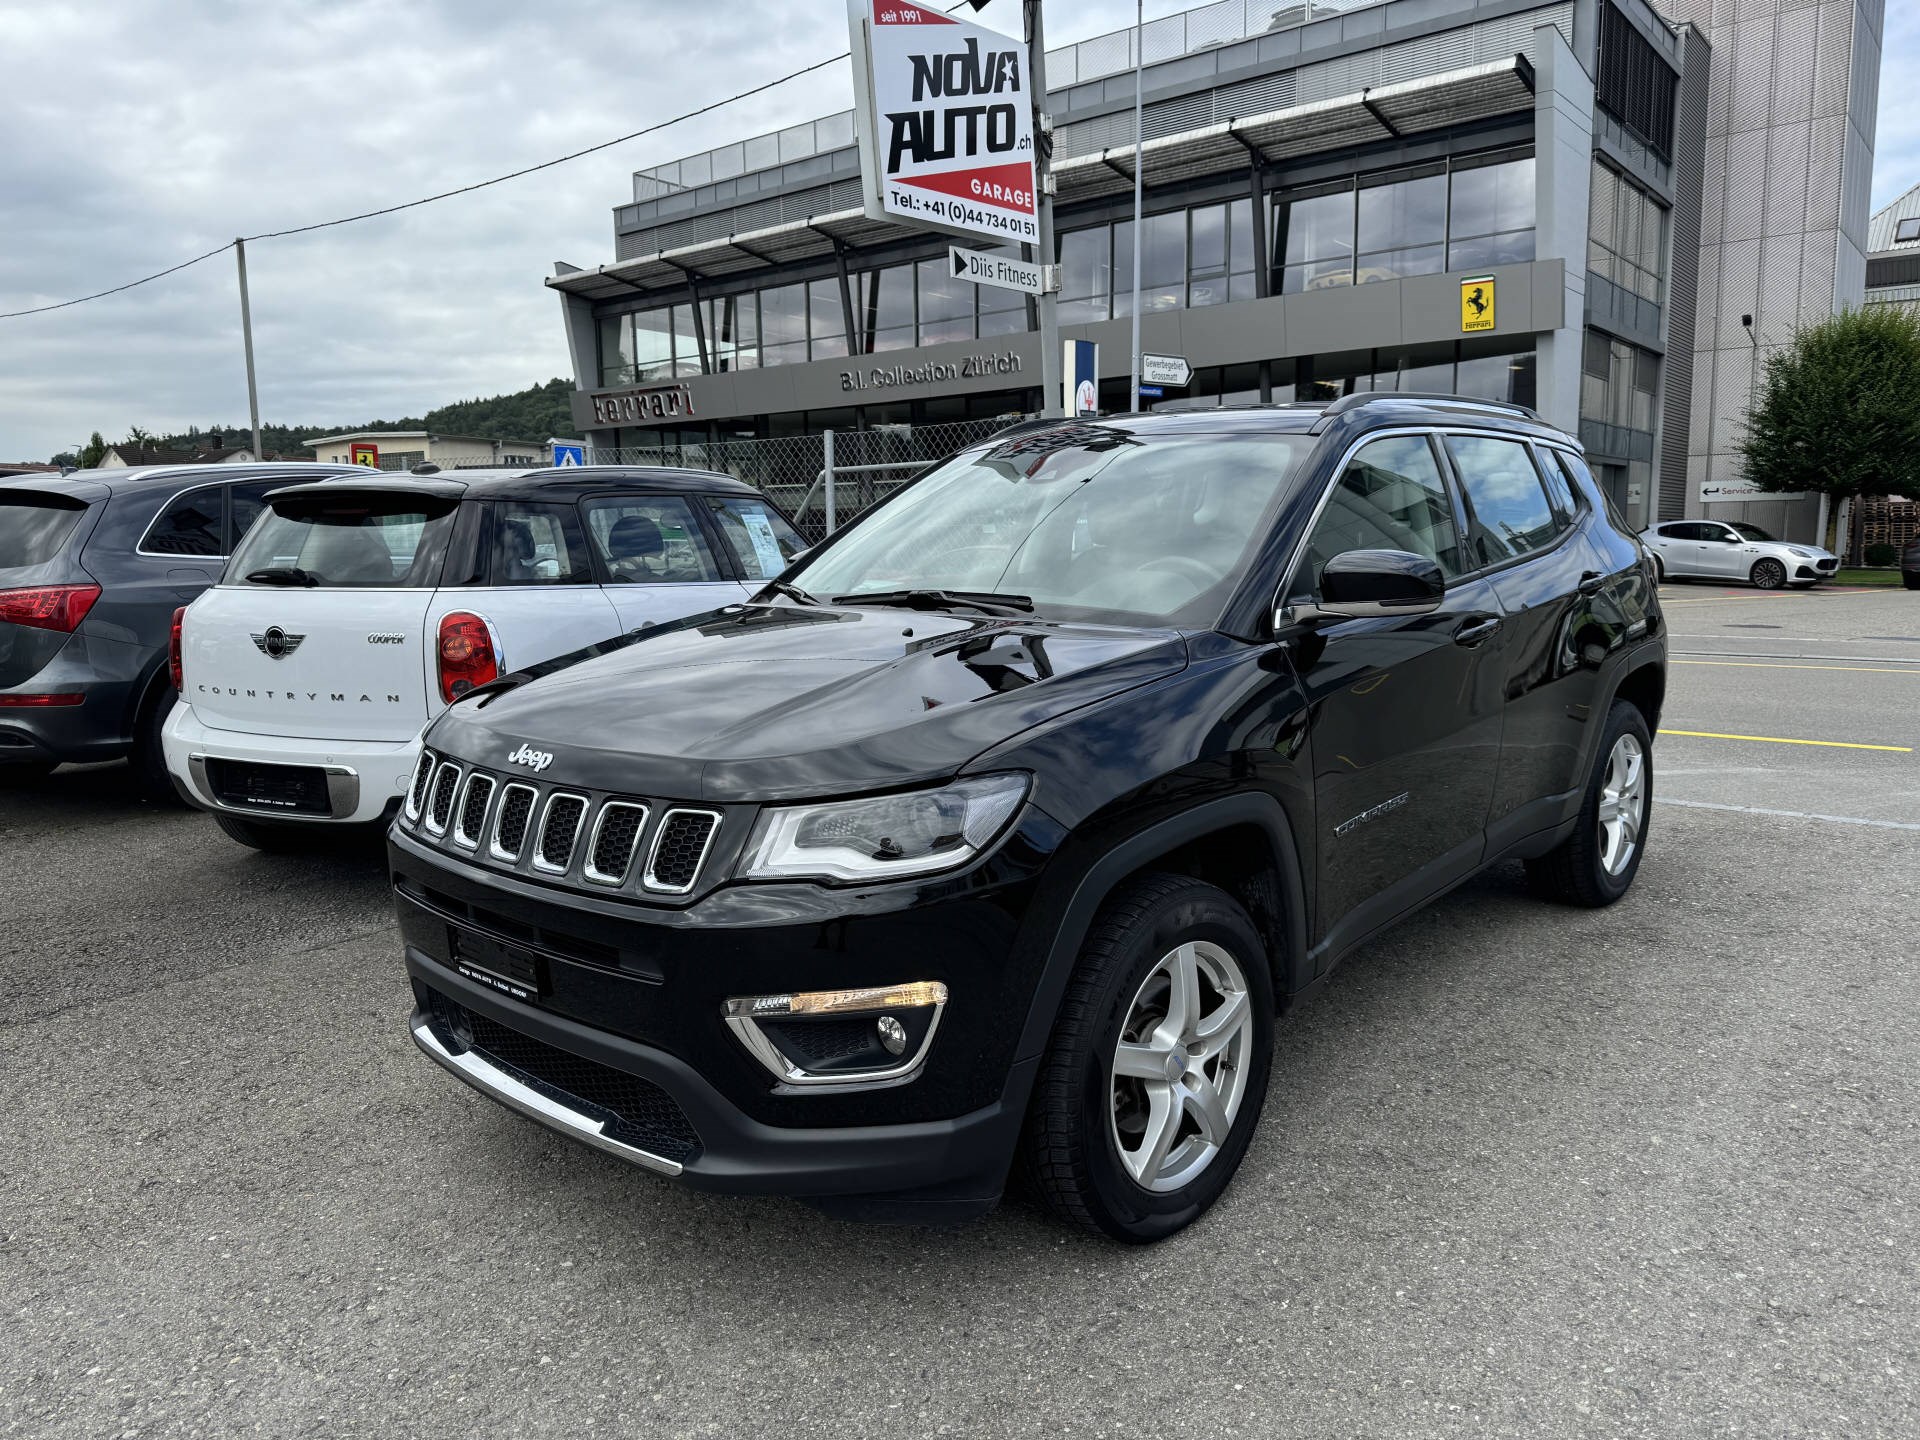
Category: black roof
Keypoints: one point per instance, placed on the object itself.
(120, 478)
(1312, 417)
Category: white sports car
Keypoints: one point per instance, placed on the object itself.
(1732, 551)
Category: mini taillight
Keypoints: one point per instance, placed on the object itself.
(49, 607)
(176, 670)
(467, 657)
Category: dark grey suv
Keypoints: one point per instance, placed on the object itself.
(92, 567)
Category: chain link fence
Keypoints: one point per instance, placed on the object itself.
(823, 480)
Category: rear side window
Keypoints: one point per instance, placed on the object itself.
(244, 504)
(651, 540)
(351, 542)
(33, 528)
(761, 540)
(1390, 497)
(1510, 514)
(538, 545)
(189, 525)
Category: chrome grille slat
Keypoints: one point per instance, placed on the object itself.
(417, 791)
(440, 805)
(510, 822)
(680, 850)
(474, 801)
(559, 832)
(610, 852)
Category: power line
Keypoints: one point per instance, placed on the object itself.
(443, 195)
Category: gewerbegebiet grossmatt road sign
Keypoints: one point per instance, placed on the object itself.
(944, 113)
(1165, 370)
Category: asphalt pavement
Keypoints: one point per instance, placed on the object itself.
(1525, 1171)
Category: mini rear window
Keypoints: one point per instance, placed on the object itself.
(33, 529)
(353, 542)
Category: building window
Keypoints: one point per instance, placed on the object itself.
(1316, 239)
(886, 309)
(1626, 235)
(733, 332)
(1002, 312)
(783, 325)
(1086, 275)
(616, 350)
(1618, 383)
(826, 320)
(1905, 230)
(1490, 221)
(686, 343)
(946, 303)
(1402, 226)
(653, 345)
(1163, 264)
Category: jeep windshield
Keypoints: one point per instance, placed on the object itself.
(1085, 522)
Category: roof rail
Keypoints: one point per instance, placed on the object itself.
(1463, 402)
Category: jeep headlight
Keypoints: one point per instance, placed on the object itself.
(886, 836)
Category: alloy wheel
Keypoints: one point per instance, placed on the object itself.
(1769, 575)
(1181, 1065)
(1623, 803)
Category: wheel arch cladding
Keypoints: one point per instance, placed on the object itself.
(1645, 688)
(1241, 843)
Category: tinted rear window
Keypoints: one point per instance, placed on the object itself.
(354, 543)
(32, 529)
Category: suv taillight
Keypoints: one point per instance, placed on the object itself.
(176, 671)
(49, 607)
(467, 657)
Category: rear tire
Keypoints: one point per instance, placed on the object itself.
(1590, 867)
(1173, 977)
(148, 757)
(265, 835)
(1768, 575)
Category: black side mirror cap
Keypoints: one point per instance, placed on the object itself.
(1366, 584)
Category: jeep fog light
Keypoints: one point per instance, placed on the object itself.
(840, 1037)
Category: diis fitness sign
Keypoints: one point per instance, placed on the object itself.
(945, 118)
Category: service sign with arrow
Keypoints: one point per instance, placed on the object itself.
(944, 114)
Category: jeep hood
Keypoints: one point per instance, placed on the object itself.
(778, 703)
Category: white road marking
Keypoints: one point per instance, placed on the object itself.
(1790, 814)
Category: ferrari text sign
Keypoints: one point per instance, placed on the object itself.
(944, 112)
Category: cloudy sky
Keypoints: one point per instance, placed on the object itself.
(137, 133)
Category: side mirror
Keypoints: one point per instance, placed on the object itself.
(1366, 584)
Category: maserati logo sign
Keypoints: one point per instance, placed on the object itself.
(277, 644)
(535, 760)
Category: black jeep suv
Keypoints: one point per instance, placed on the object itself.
(1003, 823)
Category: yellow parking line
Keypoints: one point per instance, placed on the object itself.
(1758, 665)
(1780, 740)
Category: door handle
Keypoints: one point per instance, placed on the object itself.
(1476, 629)
(1591, 582)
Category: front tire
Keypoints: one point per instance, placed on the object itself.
(1157, 1071)
(1595, 865)
(266, 836)
(1768, 575)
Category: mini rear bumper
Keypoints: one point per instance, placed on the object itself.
(654, 1110)
(364, 778)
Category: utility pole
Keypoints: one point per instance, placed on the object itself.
(246, 335)
(1139, 140)
(1050, 354)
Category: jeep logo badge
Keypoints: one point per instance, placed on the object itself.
(535, 760)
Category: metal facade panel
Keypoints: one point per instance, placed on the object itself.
(1794, 37)
(1753, 9)
(1785, 208)
(1739, 292)
(1856, 181)
(1849, 274)
(1746, 185)
(1752, 73)
(1816, 275)
(1832, 58)
(1826, 148)
(1779, 309)
(1864, 93)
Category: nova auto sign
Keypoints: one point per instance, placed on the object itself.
(945, 117)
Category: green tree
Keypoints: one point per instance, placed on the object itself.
(138, 438)
(1839, 410)
(93, 452)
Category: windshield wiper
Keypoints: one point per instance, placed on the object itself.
(288, 575)
(985, 601)
(792, 592)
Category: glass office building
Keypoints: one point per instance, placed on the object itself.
(1320, 179)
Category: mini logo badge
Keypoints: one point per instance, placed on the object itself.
(277, 644)
(535, 760)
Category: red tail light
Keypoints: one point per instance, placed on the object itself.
(37, 702)
(176, 670)
(49, 607)
(467, 656)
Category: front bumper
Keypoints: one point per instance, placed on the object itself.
(654, 1110)
(365, 778)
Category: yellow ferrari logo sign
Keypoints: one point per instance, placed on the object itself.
(1476, 303)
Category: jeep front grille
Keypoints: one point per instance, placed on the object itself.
(616, 835)
(510, 825)
(558, 830)
(680, 849)
(440, 806)
(417, 791)
(473, 809)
